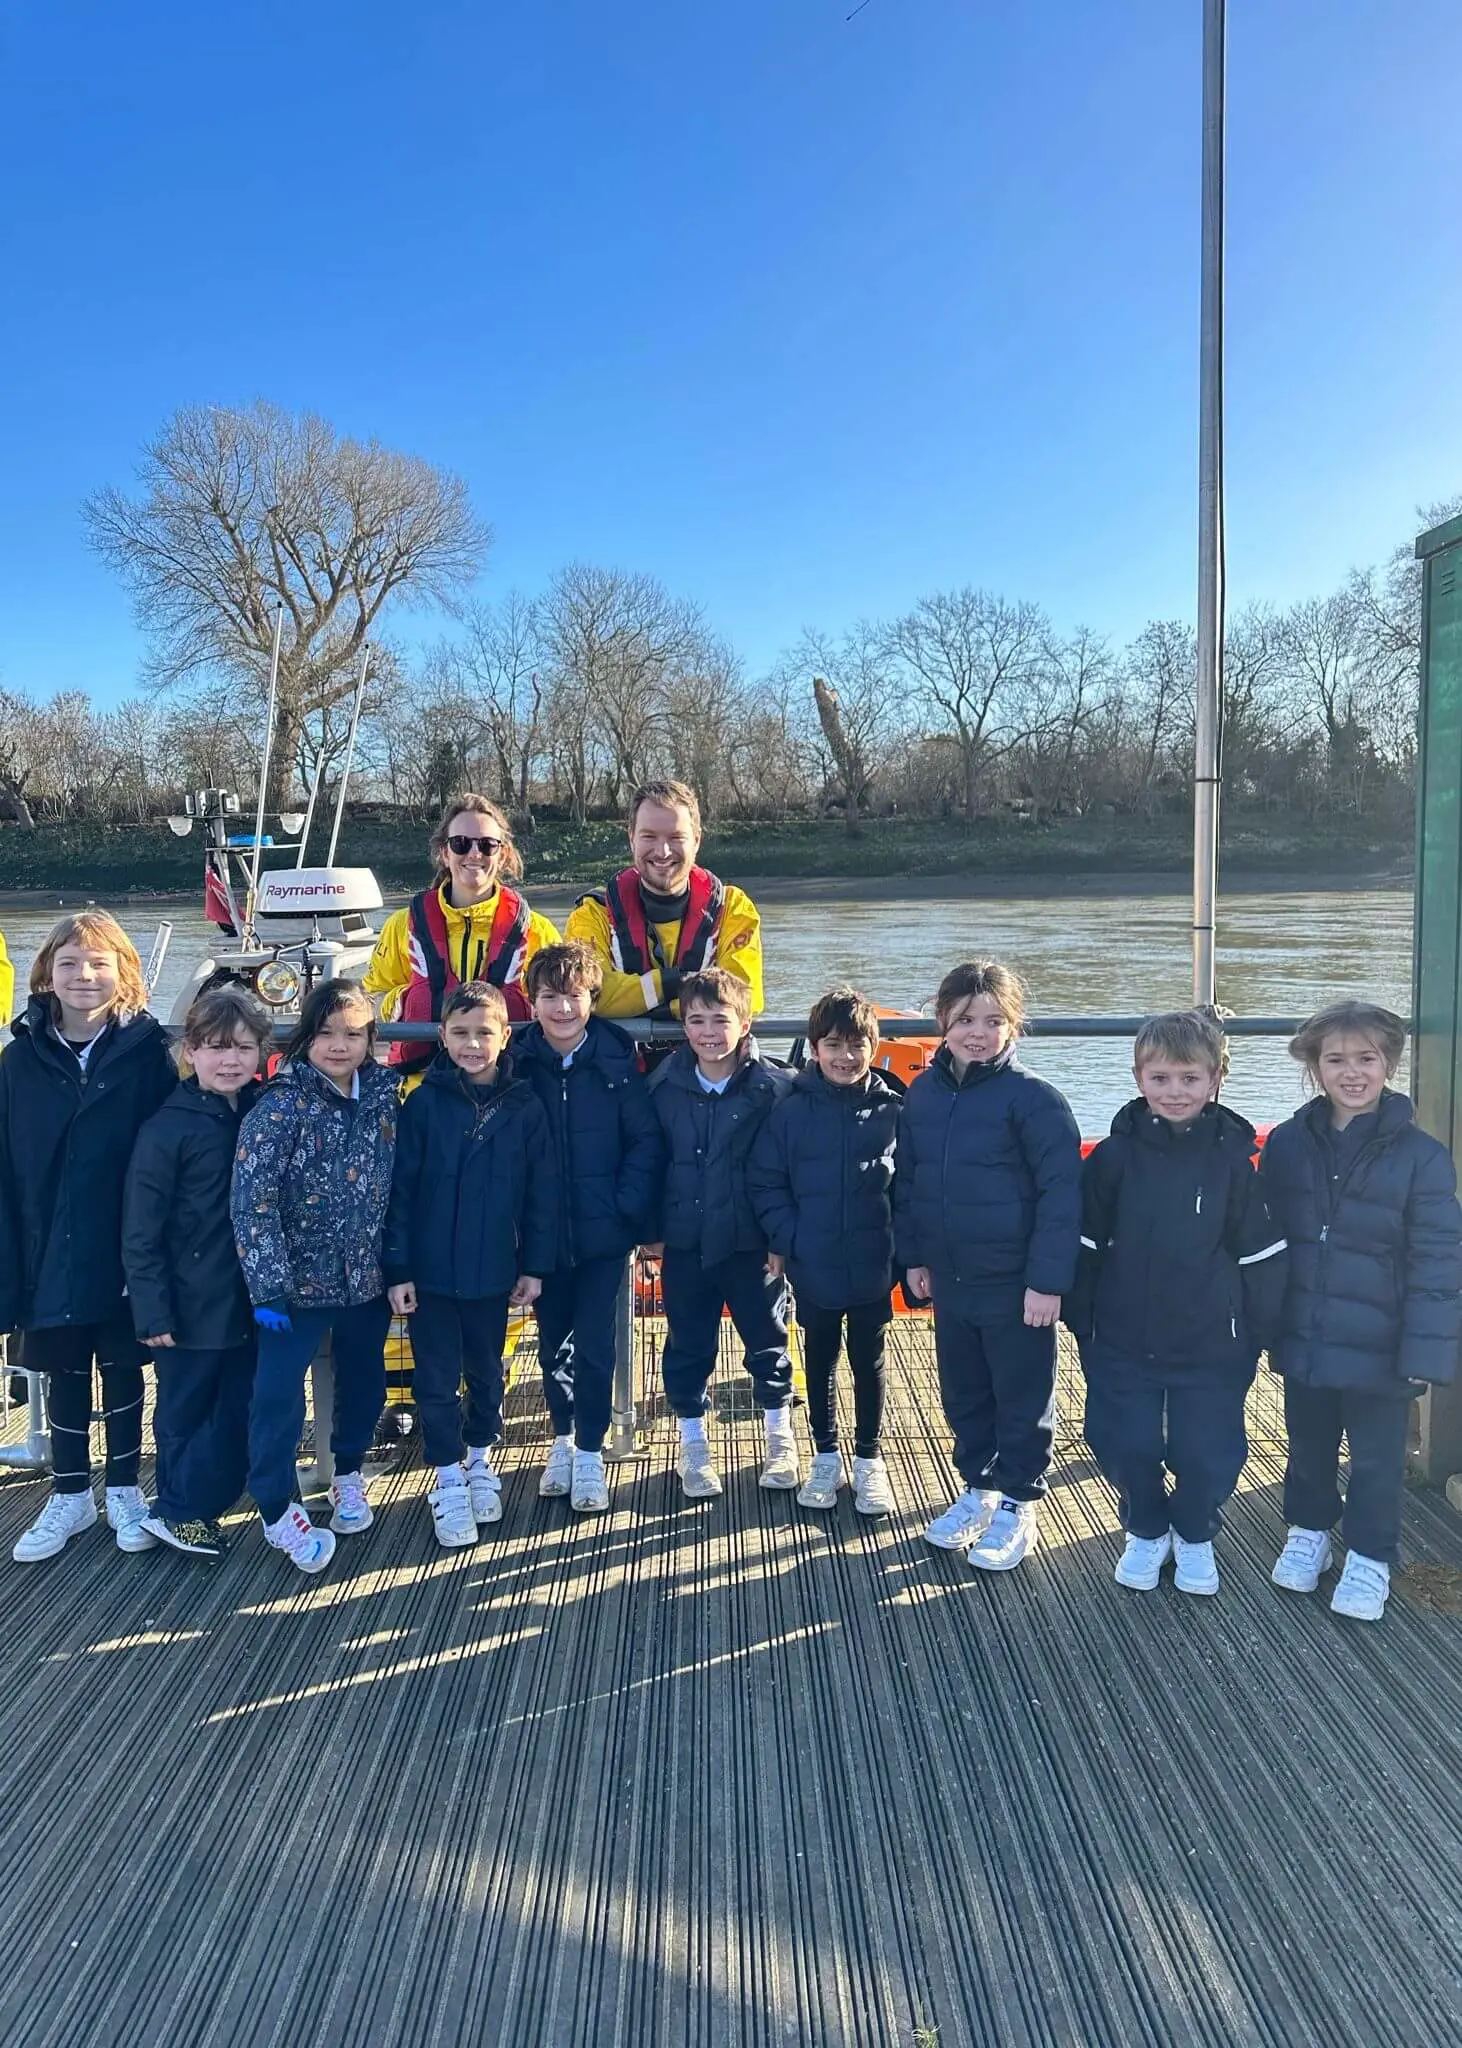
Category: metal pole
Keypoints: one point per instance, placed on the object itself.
(1208, 721)
(624, 1399)
(264, 771)
(365, 662)
(319, 777)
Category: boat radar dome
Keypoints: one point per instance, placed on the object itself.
(297, 893)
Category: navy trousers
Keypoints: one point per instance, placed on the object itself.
(694, 1297)
(822, 1340)
(575, 1315)
(1146, 1422)
(200, 1425)
(457, 1345)
(277, 1412)
(1375, 1428)
(997, 1384)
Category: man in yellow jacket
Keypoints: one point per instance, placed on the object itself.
(665, 917)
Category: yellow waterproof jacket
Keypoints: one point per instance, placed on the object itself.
(468, 931)
(738, 950)
(7, 985)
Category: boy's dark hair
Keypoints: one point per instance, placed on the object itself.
(564, 970)
(842, 1013)
(319, 1006)
(670, 796)
(219, 1014)
(715, 986)
(1187, 1037)
(1383, 1028)
(476, 995)
(982, 978)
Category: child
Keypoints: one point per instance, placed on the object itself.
(821, 1183)
(1179, 1285)
(712, 1097)
(85, 1070)
(987, 1213)
(1369, 1205)
(310, 1187)
(606, 1144)
(189, 1303)
(470, 1232)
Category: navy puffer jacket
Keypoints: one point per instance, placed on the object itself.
(822, 1181)
(988, 1193)
(183, 1273)
(606, 1140)
(474, 1190)
(1375, 1251)
(706, 1204)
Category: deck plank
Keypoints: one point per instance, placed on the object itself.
(726, 1775)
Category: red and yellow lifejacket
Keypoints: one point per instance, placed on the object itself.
(634, 948)
(434, 973)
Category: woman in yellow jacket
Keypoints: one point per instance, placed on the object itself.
(470, 925)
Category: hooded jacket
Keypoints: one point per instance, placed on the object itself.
(706, 1203)
(474, 1190)
(606, 1140)
(1181, 1263)
(312, 1177)
(66, 1135)
(988, 1194)
(1375, 1250)
(822, 1177)
(183, 1273)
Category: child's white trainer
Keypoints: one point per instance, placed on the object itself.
(699, 1479)
(127, 1512)
(453, 1523)
(1013, 1533)
(1363, 1588)
(1303, 1560)
(590, 1495)
(64, 1515)
(968, 1519)
(558, 1472)
(350, 1509)
(485, 1487)
(820, 1488)
(302, 1543)
(872, 1493)
(1197, 1568)
(1139, 1568)
(781, 1468)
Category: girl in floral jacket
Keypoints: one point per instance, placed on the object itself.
(310, 1187)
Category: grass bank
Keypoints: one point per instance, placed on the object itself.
(1001, 854)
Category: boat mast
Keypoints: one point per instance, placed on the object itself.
(1208, 720)
(264, 775)
(365, 662)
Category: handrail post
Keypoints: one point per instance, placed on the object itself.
(34, 1455)
(625, 1396)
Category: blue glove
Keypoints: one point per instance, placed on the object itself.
(275, 1320)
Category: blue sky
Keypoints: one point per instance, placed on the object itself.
(804, 316)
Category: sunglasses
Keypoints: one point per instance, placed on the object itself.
(462, 843)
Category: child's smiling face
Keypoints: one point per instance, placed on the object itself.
(564, 1015)
(84, 980)
(342, 1045)
(224, 1066)
(843, 1061)
(474, 1040)
(713, 1031)
(1352, 1072)
(977, 1030)
(1175, 1090)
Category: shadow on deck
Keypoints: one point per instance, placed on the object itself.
(729, 1773)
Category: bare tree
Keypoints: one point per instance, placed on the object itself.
(499, 670)
(17, 760)
(244, 512)
(970, 652)
(1159, 680)
(1065, 690)
(855, 695)
(705, 703)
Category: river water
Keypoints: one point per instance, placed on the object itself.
(1279, 955)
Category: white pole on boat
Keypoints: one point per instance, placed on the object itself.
(365, 662)
(316, 780)
(264, 771)
(1208, 721)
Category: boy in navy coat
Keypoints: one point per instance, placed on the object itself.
(712, 1097)
(1181, 1277)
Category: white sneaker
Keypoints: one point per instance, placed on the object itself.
(486, 1489)
(1197, 1568)
(1013, 1531)
(1140, 1566)
(127, 1512)
(1305, 1556)
(453, 1522)
(590, 1495)
(781, 1468)
(959, 1526)
(351, 1511)
(64, 1515)
(699, 1479)
(302, 1543)
(820, 1489)
(872, 1492)
(558, 1473)
(1364, 1585)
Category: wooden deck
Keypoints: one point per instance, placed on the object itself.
(723, 1774)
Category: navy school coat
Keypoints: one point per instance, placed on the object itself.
(822, 1176)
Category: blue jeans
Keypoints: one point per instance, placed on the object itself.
(277, 1413)
(200, 1425)
(575, 1315)
(1144, 1422)
(694, 1298)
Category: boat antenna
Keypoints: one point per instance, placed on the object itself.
(365, 662)
(315, 781)
(1208, 710)
(264, 774)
